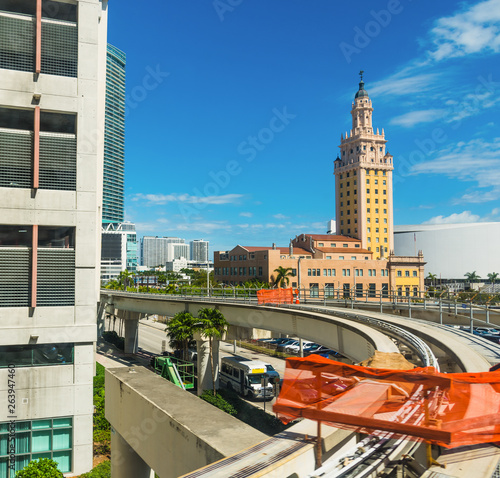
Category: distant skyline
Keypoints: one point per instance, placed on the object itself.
(234, 112)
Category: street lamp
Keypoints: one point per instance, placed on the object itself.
(208, 277)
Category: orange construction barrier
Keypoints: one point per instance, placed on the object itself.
(450, 410)
(275, 296)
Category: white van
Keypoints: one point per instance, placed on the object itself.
(246, 377)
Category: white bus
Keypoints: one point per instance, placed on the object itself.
(246, 377)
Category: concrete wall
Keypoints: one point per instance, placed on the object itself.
(54, 391)
(173, 431)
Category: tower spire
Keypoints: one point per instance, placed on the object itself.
(361, 92)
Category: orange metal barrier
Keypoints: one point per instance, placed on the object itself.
(450, 410)
(276, 296)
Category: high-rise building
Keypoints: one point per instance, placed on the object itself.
(199, 250)
(119, 240)
(52, 77)
(114, 137)
(177, 251)
(118, 250)
(363, 181)
(154, 249)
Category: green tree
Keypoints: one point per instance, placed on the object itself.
(180, 331)
(492, 277)
(432, 277)
(213, 326)
(125, 279)
(162, 279)
(43, 468)
(472, 276)
(113, 284)
(282, 276)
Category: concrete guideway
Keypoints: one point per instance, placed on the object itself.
(355, 341)
(303, 323)
(443, 339)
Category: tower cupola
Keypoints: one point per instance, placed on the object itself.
(361, 93)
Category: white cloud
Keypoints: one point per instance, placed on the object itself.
(246, 214)
(415, 117)
(206, 227)
(475, 160)
(280, 216)
(404, 83)
(461, 218)
(160, 199)
(475, 29)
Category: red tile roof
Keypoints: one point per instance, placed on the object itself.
(332, 237)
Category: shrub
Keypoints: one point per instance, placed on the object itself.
(113, 338)
(218, 401)
(101, 434)
(103, 470)
(43, 468)
(245, 412)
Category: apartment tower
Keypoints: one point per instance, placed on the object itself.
(52, 77)
(363, 181)
(114, 137)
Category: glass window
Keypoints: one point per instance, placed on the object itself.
(400, 274)
(38, 439)
(36, 355)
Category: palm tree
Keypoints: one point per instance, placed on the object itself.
(213, 326)
(180, 331)
(472, 276)
(125, 279)
(432, 278)
(492, 277)
(282, 275)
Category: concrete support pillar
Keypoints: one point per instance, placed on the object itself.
(131, 332)
(204, 365)
(125, 462)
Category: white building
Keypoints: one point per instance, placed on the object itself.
(51, 162)
(154, 249)
(199, 250)
(451, 250)
(118, 250)
(177, 251)
(176, 265)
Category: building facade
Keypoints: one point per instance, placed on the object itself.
(114, 138)
(199, 250)
(177, 251)
(363, 181)
(154, 250)
(452, 250)
(52, 77)
(323, 265)
(118, 250)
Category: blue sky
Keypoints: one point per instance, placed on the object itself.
(235, 110)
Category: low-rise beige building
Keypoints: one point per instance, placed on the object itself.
(324, 265)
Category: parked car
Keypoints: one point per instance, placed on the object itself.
(295, 348)
(488, 330)
(282, 345)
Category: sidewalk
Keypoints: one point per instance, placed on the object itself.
(110, 357)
